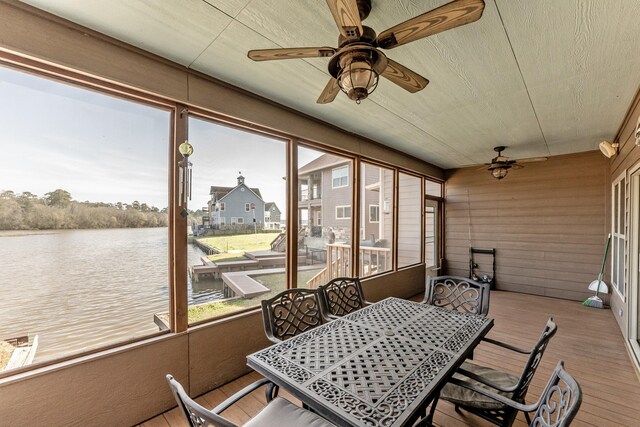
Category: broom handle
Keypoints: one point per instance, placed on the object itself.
(604, 261)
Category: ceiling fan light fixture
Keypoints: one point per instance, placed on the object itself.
(358, 79)
(499, 172)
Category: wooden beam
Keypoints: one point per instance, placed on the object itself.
(177, 227)
(291, 267)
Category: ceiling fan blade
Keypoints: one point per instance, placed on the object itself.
(404, 77)
(330, 92)
(347, 17)
(451, 15)
(532, 159)
(290, 53)
(516, 166)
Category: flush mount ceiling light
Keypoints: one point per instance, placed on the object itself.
(357, 62)
(609, 149)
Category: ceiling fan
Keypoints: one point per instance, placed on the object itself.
(357, 63)
(500, 165)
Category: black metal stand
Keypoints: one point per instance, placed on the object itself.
(472, 266)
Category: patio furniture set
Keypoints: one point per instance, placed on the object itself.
(354, 363)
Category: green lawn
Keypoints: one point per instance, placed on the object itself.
(275, 282)
(241, 242)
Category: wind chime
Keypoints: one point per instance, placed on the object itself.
(186, 150)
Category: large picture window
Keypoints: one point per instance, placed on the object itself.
(324, 246)
(376, 237)
(237, 176)
(83, 216)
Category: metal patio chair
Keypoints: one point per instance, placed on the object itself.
(342, 295)
(279, 412)
(557, 406)
(457, 293)
(292, 312)
(503, 383)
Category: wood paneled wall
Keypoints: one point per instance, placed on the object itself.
(627, 158)
(546, 221)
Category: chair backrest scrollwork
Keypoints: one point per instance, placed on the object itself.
(343, 295)
(458, 293)
(292, 312)
(533, 362)
(196, 415)
(560, 400)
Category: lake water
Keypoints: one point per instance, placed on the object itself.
(82, 289)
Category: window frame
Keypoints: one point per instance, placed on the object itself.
(344, 207)
(177, 225)
(247, 207)
(88, 83)
(618, 233)
(377, 220)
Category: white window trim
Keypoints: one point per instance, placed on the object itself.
(374, 206)
(619, 235)
(343, 211)
(240, 220)
(222, 220)
(247, 207)
(222, 206)
(333, 179)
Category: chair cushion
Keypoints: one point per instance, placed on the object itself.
(464, 397)
(282, 413)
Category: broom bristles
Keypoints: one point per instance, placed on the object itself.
(594, 302)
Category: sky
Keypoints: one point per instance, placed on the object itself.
(104, 149)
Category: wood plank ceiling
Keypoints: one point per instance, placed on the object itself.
(543, 77)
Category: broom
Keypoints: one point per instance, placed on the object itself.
(595, 301)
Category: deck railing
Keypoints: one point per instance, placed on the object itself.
(373, 260)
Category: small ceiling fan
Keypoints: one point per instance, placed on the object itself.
(500, 165)
(357, 63)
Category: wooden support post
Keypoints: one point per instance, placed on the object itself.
(177, 227)
(291, 266)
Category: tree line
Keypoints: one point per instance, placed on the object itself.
(58, 210)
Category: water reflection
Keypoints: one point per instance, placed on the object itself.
(81, 289)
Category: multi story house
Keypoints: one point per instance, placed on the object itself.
(272, 216)
(325, 200)
(240, 205)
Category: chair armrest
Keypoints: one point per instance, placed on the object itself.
(507, 346)
(495, 396)
(485, 381)
(239, 395)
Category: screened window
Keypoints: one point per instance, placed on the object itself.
(340, 177)
(618, 273)
(409, 219)
(92, 179)
(325, 239)
(376, 237)
(432, 188)
(219, 153)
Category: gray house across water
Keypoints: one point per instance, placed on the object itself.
(240, 205)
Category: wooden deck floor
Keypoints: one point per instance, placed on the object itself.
(588, 340)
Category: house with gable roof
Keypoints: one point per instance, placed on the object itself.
(237, 205)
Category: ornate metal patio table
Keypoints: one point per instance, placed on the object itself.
(379, 366)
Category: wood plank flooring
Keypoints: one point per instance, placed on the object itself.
(588, 340)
